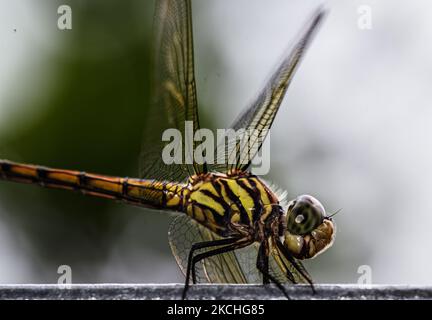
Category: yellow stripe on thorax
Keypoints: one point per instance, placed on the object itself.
(243, 196)
(204, 199)
(263, 192)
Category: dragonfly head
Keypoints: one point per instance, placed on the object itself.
(309, 231)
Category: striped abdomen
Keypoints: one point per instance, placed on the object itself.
(218, 200)
(141, 192)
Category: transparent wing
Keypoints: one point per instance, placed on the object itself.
(237, 266)
(256, 120)
(174, 92)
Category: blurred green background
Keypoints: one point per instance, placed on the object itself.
(354, 130)
(90, 118)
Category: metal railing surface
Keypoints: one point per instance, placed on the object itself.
(212, 291)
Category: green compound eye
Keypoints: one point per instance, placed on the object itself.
(304, 215)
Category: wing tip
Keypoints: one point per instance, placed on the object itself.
(318, 18)
(315, 22)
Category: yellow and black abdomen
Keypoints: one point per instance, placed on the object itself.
(140, 192)
(217, 201)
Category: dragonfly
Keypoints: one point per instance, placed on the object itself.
(232, 226)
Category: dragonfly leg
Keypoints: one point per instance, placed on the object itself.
(265, 266)
(237, 245)
(293, 261)
(262, 266)
(197, 246)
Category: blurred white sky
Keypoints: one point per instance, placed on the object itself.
(354, 129)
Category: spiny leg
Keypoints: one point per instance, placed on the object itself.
(263, 267)
(197, 246)
(241, 243)
(264, 262)
(300, 270)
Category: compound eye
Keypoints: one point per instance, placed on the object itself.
(304, 215)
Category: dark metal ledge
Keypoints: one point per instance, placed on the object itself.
(210, 292)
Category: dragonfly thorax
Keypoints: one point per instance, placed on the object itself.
(229, 204)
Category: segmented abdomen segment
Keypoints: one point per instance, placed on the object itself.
(141, 192)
